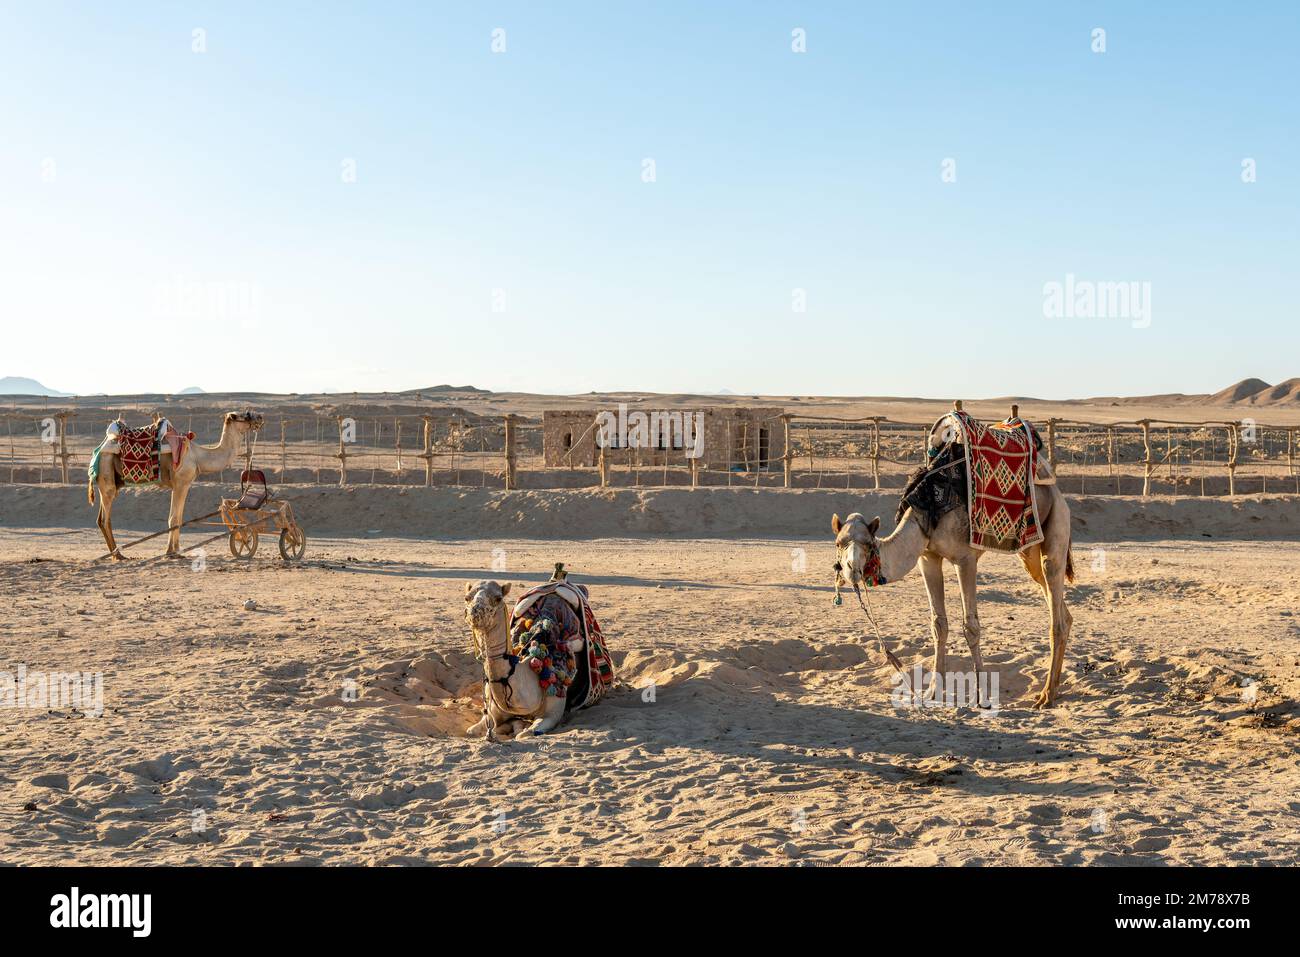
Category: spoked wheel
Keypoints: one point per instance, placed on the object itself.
(243, 542)
(293, 543)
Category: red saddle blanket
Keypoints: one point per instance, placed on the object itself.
(138, 454)
(1001, 460)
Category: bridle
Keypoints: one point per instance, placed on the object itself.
(871, 574)
(480, 653)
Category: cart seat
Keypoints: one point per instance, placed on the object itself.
(252, 483)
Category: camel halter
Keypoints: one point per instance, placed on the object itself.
(872, 568)
(480, 653)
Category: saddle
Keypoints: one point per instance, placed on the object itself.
(991, 470)
(139, 450)
(585, 669)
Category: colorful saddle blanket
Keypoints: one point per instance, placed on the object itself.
(138, 450)
(1001, 461)
(138, 453)
(556, 634)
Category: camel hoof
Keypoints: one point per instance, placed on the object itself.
(1044, 701)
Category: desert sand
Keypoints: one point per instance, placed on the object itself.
(754, 722)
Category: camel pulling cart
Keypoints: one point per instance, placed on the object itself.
(257, 512)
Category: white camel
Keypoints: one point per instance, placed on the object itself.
(911, 545)
(197, 460)
(514, 702)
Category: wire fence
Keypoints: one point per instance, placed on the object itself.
(797, 451)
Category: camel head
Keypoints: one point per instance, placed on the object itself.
(246, 421)
(855, 541)
(483, 604)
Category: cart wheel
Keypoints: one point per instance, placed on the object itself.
(243, 542)
(293, 543)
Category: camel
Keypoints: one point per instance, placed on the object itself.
(512, 696)
(912, 546)
(197, 460)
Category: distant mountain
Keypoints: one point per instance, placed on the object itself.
(1257, 392)
(18, 385)
(1238, 391)
(191, 390)
(450, 388)
(1284, 393)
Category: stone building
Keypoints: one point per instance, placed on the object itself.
(721, 436)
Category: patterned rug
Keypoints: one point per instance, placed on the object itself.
(1001, 460)
(544, 623)
(138, 453)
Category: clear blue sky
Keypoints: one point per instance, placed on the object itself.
(135, 172)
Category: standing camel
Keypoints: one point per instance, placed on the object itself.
(912, 545)
(514, 702)
(197, 460)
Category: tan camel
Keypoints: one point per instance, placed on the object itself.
(513, 700)
(911, 546)
(197, 460)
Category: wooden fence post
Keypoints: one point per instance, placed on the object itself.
(62, 418)
(604, 467)
(1233, 446)
(510, 453)
(1146, 461)
(1110, 456)
(284, 454)
(875, 450)
(342, 453)
(788, 457)
(427, 455)
(1290, 457)
(1051, 443)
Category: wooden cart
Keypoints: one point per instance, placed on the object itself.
(257, 512)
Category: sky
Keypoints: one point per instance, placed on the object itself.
(559, 197)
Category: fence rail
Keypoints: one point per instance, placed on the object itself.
(1145, 456)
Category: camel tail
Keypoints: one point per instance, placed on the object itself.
(90, 492)
(1069, 561)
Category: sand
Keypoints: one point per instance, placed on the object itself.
(770, 736)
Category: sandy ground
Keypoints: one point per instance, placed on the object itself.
(770, 737)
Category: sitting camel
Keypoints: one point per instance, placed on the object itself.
(514, 701)
(863, 559)
(197, 460)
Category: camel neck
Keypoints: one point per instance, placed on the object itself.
(901, 548)
(214, 458)
(495, 645)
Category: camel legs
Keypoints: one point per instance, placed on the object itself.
(549, 720)
(971, 622)
(1046, 565)
(176, 515)
(932, 571)
(1054, 572)
(495, 724)
(107, 492)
